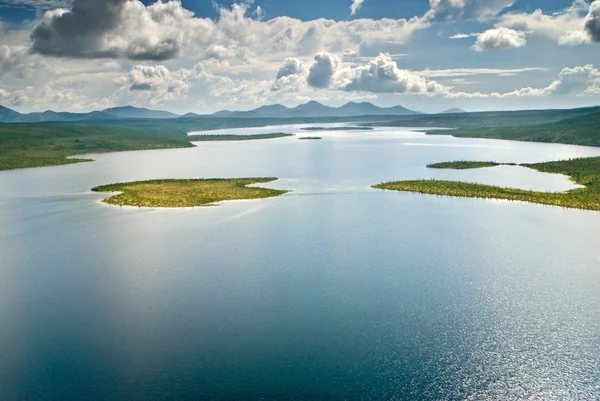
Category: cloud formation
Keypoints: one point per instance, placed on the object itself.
(592, 21)
(566, 28)
(356, 5)
(114, 28)
(379, 75)
(446, 10)
(322, 71)
(500, 38)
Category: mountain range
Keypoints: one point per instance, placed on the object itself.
(310, 109)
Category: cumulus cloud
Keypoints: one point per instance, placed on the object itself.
(579, 81)
(500, 38)
(445, 10)
(592, 21)
(356, 5)
(566, 27)
(16, 61)
(382, 75)
(115, 28)
(165, 30)
(290, 75)
(323, 69)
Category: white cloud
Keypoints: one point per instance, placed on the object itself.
(116, 28)
(290, 75)
(578, 81)
(382, 75)
(464, 72)
(566, 27)
(356, 5)
(379, 75)
(166, 30)
(464, 35)
(445, 10)
(500, 38)
(592, 21)
(323, 70)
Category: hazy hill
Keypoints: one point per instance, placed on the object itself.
(7, 114)
(453, 111)
(315, 109)
(136, 112)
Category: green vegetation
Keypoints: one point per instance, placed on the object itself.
(186, 193)
(310, 138)
(464, 165)
(48, 144)
(227, 137)
(36, 145)
(585, 171)
(352, 128)
(583, 130)
(488, 119)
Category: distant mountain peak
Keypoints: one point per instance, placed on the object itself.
(453, 111)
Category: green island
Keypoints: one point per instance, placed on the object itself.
(310, 138)
(175, 193)
(228, 137)
(465, 165)
(583, 171)
(352, 128)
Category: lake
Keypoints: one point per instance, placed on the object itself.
(333, 291)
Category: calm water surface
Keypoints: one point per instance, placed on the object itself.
(333, 291)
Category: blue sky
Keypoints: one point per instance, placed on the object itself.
(201, 56)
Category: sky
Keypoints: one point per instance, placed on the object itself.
(202, 56)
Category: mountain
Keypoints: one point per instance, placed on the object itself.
(453, 111)
(369, 109)
(307, 110)
(7, 114)
(135, 112)
(115, 113)
(316, 109)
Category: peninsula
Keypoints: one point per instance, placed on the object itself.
(583, 171)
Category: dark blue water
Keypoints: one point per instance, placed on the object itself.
(335, 291)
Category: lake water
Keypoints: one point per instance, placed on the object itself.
(333, 291)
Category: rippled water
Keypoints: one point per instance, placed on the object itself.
(333, 291)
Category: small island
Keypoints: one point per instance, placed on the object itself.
(309, 138)
(232, 137)
(465, 165)
(351, 128)
(175, 193)
(583, 171)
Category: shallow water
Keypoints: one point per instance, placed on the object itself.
(334, 290)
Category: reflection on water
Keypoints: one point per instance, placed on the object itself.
(359, 294)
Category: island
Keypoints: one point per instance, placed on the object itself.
(232, 137)
(352, 128)
(310, 138)
(178, 193)
(583, 171)
(465, 165)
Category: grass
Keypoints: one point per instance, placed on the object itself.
(584, 171)
(186, 193)
(465, 165)
(227, 137)
(359, 128)
(582, 130)
(37, 145)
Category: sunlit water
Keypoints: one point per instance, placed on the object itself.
(333, 291)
